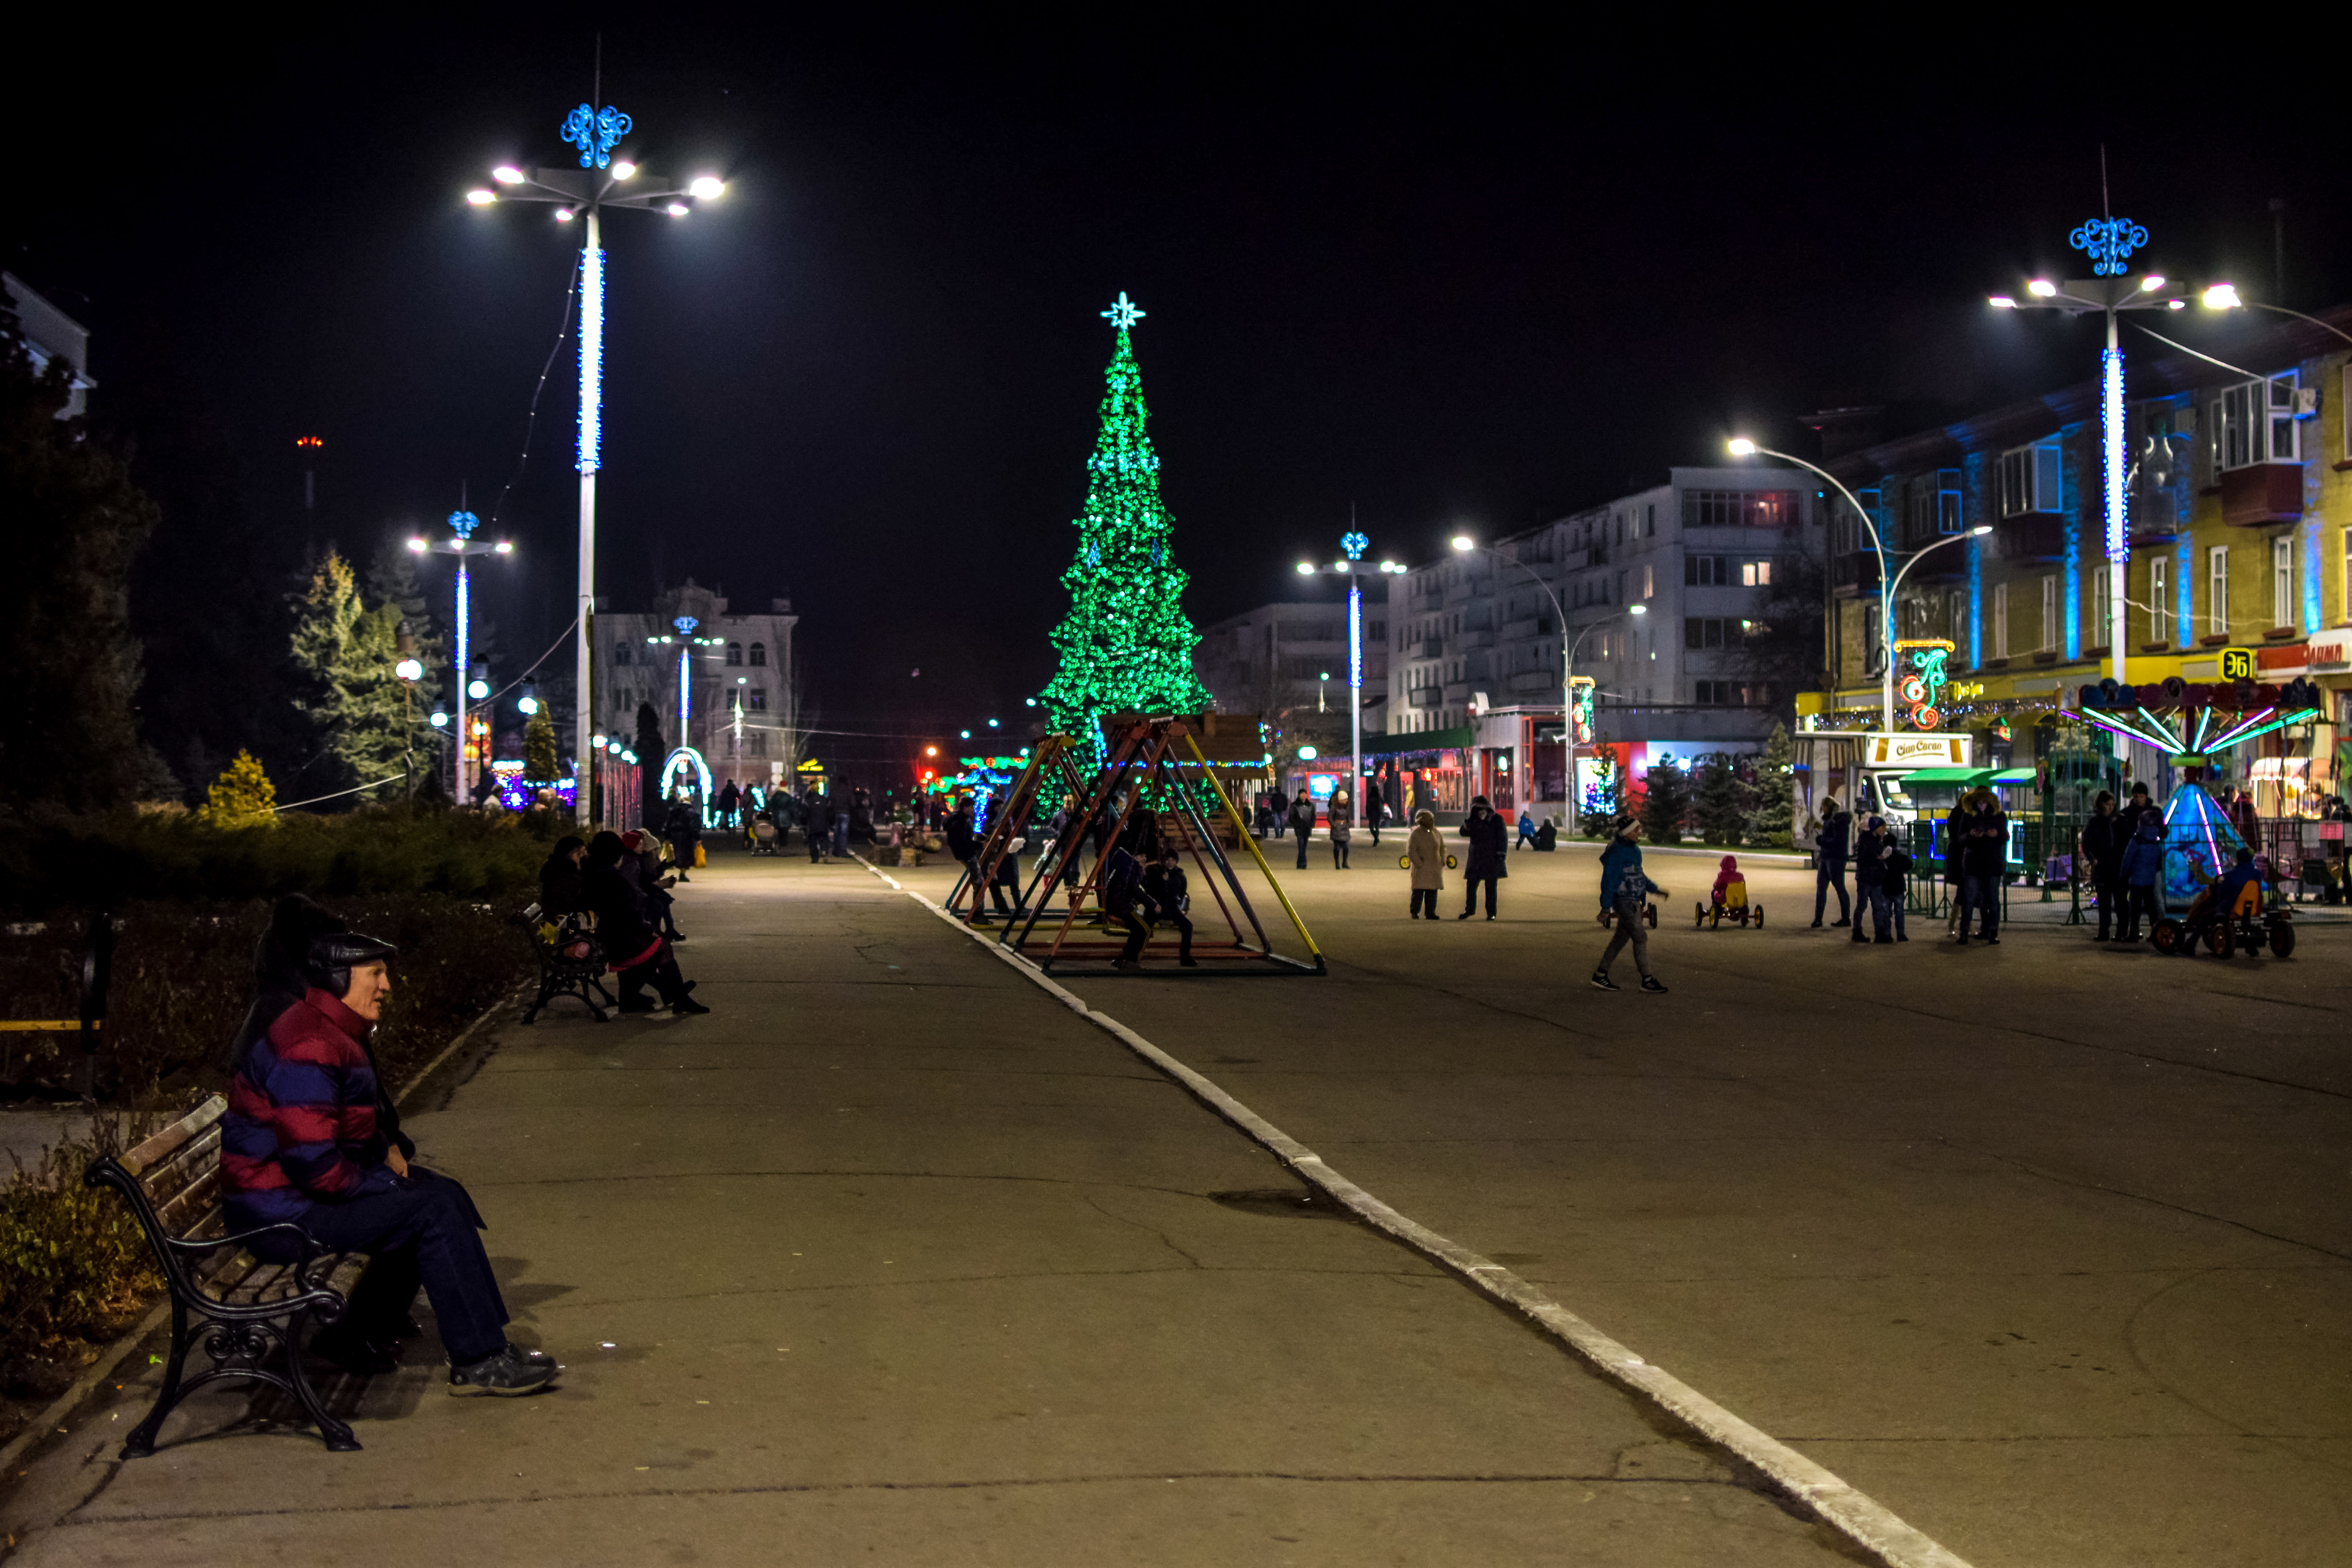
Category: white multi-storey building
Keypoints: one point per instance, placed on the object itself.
(1474, 645)
(721, 681)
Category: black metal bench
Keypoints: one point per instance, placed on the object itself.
(246, 1314)
(571, 962)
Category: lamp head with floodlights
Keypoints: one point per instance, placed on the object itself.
(604, 177)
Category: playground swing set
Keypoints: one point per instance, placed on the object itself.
(1155, 767)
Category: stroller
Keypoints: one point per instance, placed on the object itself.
(765, 839)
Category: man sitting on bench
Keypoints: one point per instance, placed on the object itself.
(300, 1147)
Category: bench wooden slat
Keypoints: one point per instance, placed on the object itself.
(138, 1160)
(200, 1198)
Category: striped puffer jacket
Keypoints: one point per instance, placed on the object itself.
(301, 1123)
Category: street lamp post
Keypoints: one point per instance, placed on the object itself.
(580, 195)
(2108, 242)
(464, 546)
(1353, 567)
(1464, 542)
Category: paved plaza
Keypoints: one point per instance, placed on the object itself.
(895, 1258)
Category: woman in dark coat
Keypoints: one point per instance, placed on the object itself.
(631, 946)
(559, 879)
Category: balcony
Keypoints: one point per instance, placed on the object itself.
(1946, 565)
(1854, 571)
(2031, 536)
(2260, 494)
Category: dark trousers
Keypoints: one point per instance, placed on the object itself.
(1008, 875)
(662, 969)
(2111, 902)
(1375, 825)
(1339, 854)
(1830, 872)
(816, 843)
(1183, 924)
(1872, 896)
(1470, 892)
(1423, 898)
(1981, 893)
(421, 1231)
(1137, 933)
(2139, 902)
(1628, 927)
(1302, 849)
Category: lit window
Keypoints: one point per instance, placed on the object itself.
(2254, 422)
(2282, 582)
(2049, 614)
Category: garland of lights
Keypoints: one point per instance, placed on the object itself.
(1125, 646)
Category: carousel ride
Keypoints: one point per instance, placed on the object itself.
(2191, 723)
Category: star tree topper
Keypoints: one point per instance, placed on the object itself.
(1124, 312)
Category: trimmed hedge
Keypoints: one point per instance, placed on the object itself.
(51, 860)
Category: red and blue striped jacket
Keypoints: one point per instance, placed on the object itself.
(301, 1124)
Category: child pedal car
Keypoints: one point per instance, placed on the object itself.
(1729, 897)
(2231, 911)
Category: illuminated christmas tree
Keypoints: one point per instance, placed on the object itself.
(1126, 646)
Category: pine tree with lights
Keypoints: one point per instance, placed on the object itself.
(1126, 645)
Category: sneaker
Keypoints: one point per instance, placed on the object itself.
(1883, 941)
(1650, 983)
(1816, 925)
(677, 936)
(1601, 981)
(1190, 962)
(512, 1371)
(687, 1007)
(1127, 964)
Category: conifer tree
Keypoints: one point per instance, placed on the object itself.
(242, 796)
(1775, 818)
(1126, 645)
(1665, 801)
(538, 763)
(346, 653)
(1720, 804)
(393, 579)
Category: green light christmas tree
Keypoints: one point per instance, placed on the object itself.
(1126, 646)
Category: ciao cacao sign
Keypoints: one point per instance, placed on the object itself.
(1900, 749)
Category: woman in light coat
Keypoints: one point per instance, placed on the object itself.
(1425, 853)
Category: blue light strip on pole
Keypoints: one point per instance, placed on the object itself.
(591, 359)
(2111, 440)
(1355, 635)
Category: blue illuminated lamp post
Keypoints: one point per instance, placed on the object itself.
(462, 544)
(2109, 243)
(581, 194)
(1353, 567)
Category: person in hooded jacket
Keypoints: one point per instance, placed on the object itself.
(635, 952)
(1981, 839)
(1625, 891)
(559, 879)
(641, 868)
(1302, 822)
(2142, 871)
(1426, 857)
(1489, 839)
(311, 1150)
(1872, 852)
(2104, 838)
(1832, 841)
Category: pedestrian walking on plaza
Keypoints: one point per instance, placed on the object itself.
(1375, 809)
(683, 828)
(1870, 854)
(816, 821)
(1302, 822)
(1831, 842)
(1489, 842)
(1340, 834)
(1898, 879)
(840, 820)
(1980, 838)
(1425, 853)
(2104, 838)
(2142, 869)
(1625, 890)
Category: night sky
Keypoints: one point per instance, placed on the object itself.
(1462, 279)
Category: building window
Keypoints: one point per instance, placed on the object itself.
(759, 739)
(2000, 620)
(2254, 422)
(1708, 631)
(1653, 516)
(1756, 574)
(1737, 509)
(1704, 570)
(620, 653)
(2030, 479)
(758, 701)
(2282, 581)
(2217, 591)
(1649, 580)
(2159, 599)
(2099, 606)
(1936, 505)
(734, 653)
(1712, 693)
(2049, 614)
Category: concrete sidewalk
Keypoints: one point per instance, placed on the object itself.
(893, 1258)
